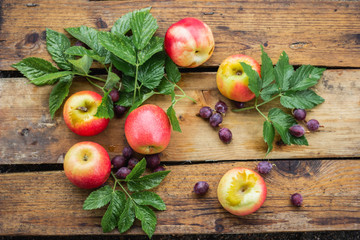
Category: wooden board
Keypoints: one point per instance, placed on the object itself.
(46, 203)
(28, 135)
(324, 33)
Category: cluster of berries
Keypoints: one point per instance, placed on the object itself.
(297, 130)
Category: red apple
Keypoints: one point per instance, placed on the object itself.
(87, 165)
(189, 42)
(231, 79)
(79, 113)
(148, 129)
(241, 191)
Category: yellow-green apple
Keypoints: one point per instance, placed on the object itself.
(189, 42)
(241, 191)
(148, 129)
(87, 165)
(231, 79)
(79, 113)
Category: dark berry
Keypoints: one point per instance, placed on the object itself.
(119, 110)
(215, 119)
(159, 169)
(81, 44)
(297, 131)
(114, 94)
(221, 107)
(116, 71)
(313, 125)
(127, 152)
(122, 172)
(201, 188)
(132, 162)
(152, 161)
(264, 167)
(225, 135)
(118, 161)
(296, 199)
(299, 114)
(205, 112)
(239, 104)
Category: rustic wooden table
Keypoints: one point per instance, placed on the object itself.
(326, 173)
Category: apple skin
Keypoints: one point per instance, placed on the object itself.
(148, 129)
(84, 123)
(189, 42)
(242, 202)
(232, 81)
(87, 165)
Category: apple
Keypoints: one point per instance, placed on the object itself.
(87, 165)
(189, 42)
(241, 191)
(231, 79)
(79, 113)
(148, 129)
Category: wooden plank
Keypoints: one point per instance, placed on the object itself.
(28, 135)
(46, 203)
(324, 33)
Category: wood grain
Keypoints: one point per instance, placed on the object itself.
(324, 33)
(28, 135)
(46, 203)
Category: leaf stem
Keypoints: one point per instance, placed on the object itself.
(257, 105)
(135, 82)
(96, 85)
(119, 183)
(184, 94)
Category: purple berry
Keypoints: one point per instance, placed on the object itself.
(215, 119)
(313, 125)
(201, 188)
(122, 172)
(297, 131)
(296, 199)
(239, 104)
(221, 107)
(119, 110)
(114, 94)
(159, 169)
(225, 135)
(116, 71)
(81, 44)
(127, 152)
(299, 114)
(264, 167)
(205, 112)
(152, 161)
(132, 162)
(118, 161)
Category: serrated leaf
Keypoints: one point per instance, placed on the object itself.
(106, 108)
(33, 68)
(149, 198)
(137, 171)
(110, 219)
(122, 25)
(140, 100)
(82, 65)
(147, 218)
(121, 65)
(268, 134)
(127, 217)
(151, 72)
(81, 51)
(143, 26)
(255, 81)
(173, 119)
(56, 44)
(283, 72)
(155, 45)
(98, 198)
(59, 93)
(306, 99)
(172, 71)
(267, 69)
(146, 182)
(111, 81)
(128, 83)
(305, 76)
(50, 78)
(125, 99)
(165, 87)
(269, 91)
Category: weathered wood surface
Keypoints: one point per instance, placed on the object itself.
(46, 203)
(325, 33)
(28, 135)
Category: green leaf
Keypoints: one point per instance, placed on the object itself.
(143, 26)
(147, 218)
(173, 119)
(149, 198)
(106, 108)
(128, 84)
(82, 65)
(282, 122)
(125, 99)
(59, 93)
(306, 99)
(50, 78)
(267, 69)
(140, 100)
(33, 68)
(122, 25)
(255, 81)
(172, 71)
(165, 87)
(137, 171)
(127, 217)
(81, 51)
(305, 76)
(110, 219)
(146, 182)
(56, 44)
(111, 81)
(267, 92)
(123, 66)
(120, 46)
(155, 45)
(268, 134)
(283, 72)
(151, 72)
(98, 198)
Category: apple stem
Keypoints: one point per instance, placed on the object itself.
(83, 109)
(86, 157)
